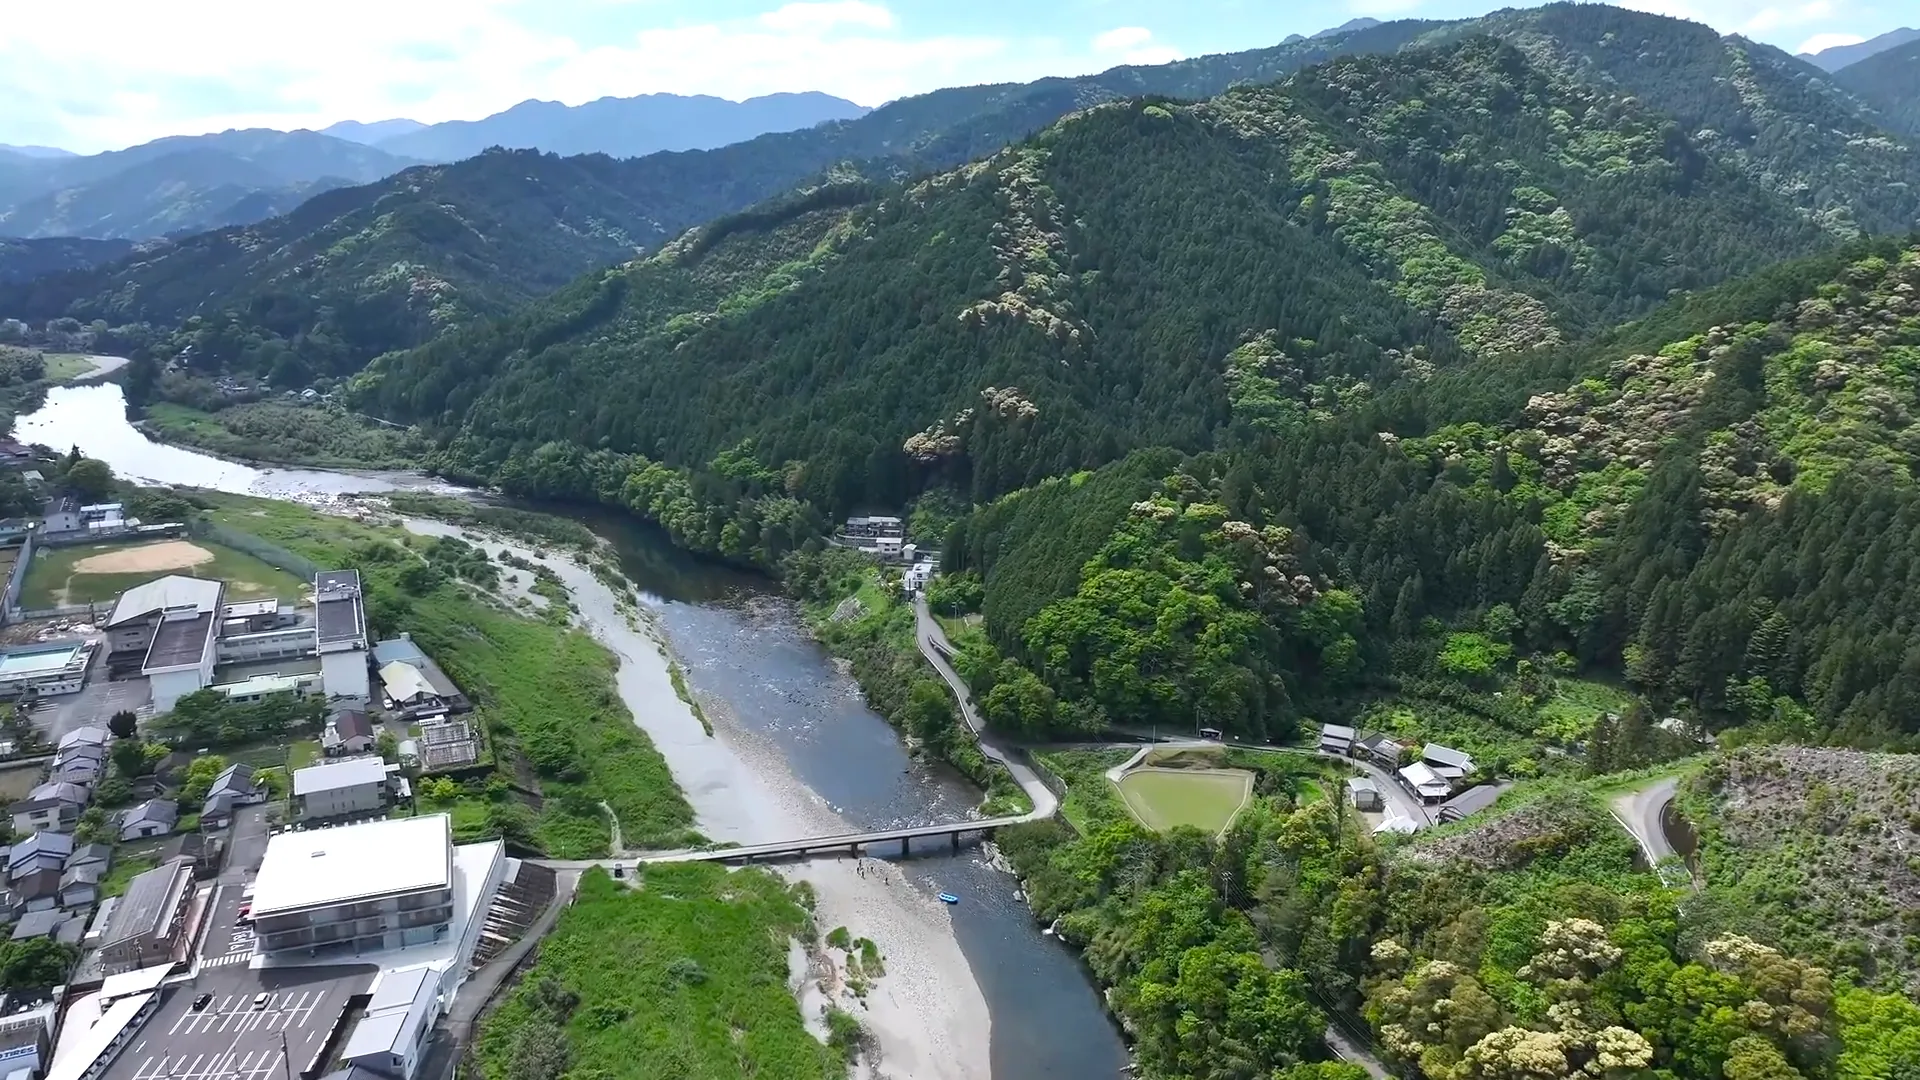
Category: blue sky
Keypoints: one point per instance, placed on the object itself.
(99, 74)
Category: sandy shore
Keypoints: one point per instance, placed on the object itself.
(926, 1016)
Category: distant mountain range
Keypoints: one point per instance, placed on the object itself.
(617, 127)
(1890, 82)
(187, 184)
(1842, 56)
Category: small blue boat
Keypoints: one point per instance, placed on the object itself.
(949, 898)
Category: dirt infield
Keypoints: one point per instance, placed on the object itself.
(145, 558)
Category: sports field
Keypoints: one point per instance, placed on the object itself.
(1206, 799)
(90, 573)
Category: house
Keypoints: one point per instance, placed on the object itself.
(232, 789)
(89, 735)
(349, 731)
(150, 918)
(1471, 801)
(1380, 748)
(1365, 793)
(89, 855)
(38, 924)
(155, 817)
(39, 890)
(41, 851)
(396, 1024)
(873, 528)
(61, 514)
(1424, 782)
(1446, 761)
(403, 650)
(916, 578)
(1336, 739)
(80, 886)
(54, 806)
(340, 788)
(81, 764)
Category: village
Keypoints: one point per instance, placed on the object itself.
(212, 766)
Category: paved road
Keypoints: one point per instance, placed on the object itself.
(1642, 813)
(935, 647)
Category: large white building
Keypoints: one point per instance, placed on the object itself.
(356, 889)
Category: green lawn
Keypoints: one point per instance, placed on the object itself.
(123, 870)
(1206, 799)
(303, 753)
(1576, 704)
(53, 582)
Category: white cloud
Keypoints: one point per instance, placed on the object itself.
(1823, 42)
(1134, 45)
(98, 74)
(1122, 37)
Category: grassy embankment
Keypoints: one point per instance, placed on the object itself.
(54, 580)
(313, 435)
(543, 693)
(683, 977)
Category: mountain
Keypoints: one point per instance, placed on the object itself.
(622, 127)
(23, 260)
(36, 151)
(1890, 82)
(371, 134)
(393, 263)
(1841, 57)
(1131, 277)
(180, 183)
(1349, 27)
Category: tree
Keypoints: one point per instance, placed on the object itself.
(95, 827)
(36, 963)
(114, 791)
(124, 724)
(200, 777)
(387, 746)
(91, 478)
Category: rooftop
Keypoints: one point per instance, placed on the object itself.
(247, 609)
(337, 599)
(150, 898)
(334, 775)
(322, 867)
(160, 594)
(179, 641)
(405, 682)
(1447, 755)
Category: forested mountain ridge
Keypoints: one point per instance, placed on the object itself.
(180, 183)
(1370, 219)
(434, 247)
(1890, 82)
(23, 260)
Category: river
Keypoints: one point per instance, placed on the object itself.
(780, 702)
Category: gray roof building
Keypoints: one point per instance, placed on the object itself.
(38, 924)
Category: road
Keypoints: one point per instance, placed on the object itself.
(935, 647)
(1643, 812)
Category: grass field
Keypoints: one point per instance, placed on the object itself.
(1206, 799)
(64, 366)
(94, 572)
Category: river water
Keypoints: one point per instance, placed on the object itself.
(745, 651)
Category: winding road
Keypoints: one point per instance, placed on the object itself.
(1643, 813)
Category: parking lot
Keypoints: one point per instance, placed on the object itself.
(96, 700)
(231, 1039)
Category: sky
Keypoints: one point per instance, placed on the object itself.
(92, 75)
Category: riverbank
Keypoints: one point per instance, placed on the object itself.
(279, 433)
(927, 1017)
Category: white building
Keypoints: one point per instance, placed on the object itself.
(44, 669)
(339, 788)
(381, 885)
(342, 633)
(396, 1024)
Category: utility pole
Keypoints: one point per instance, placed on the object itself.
(286, 1056)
